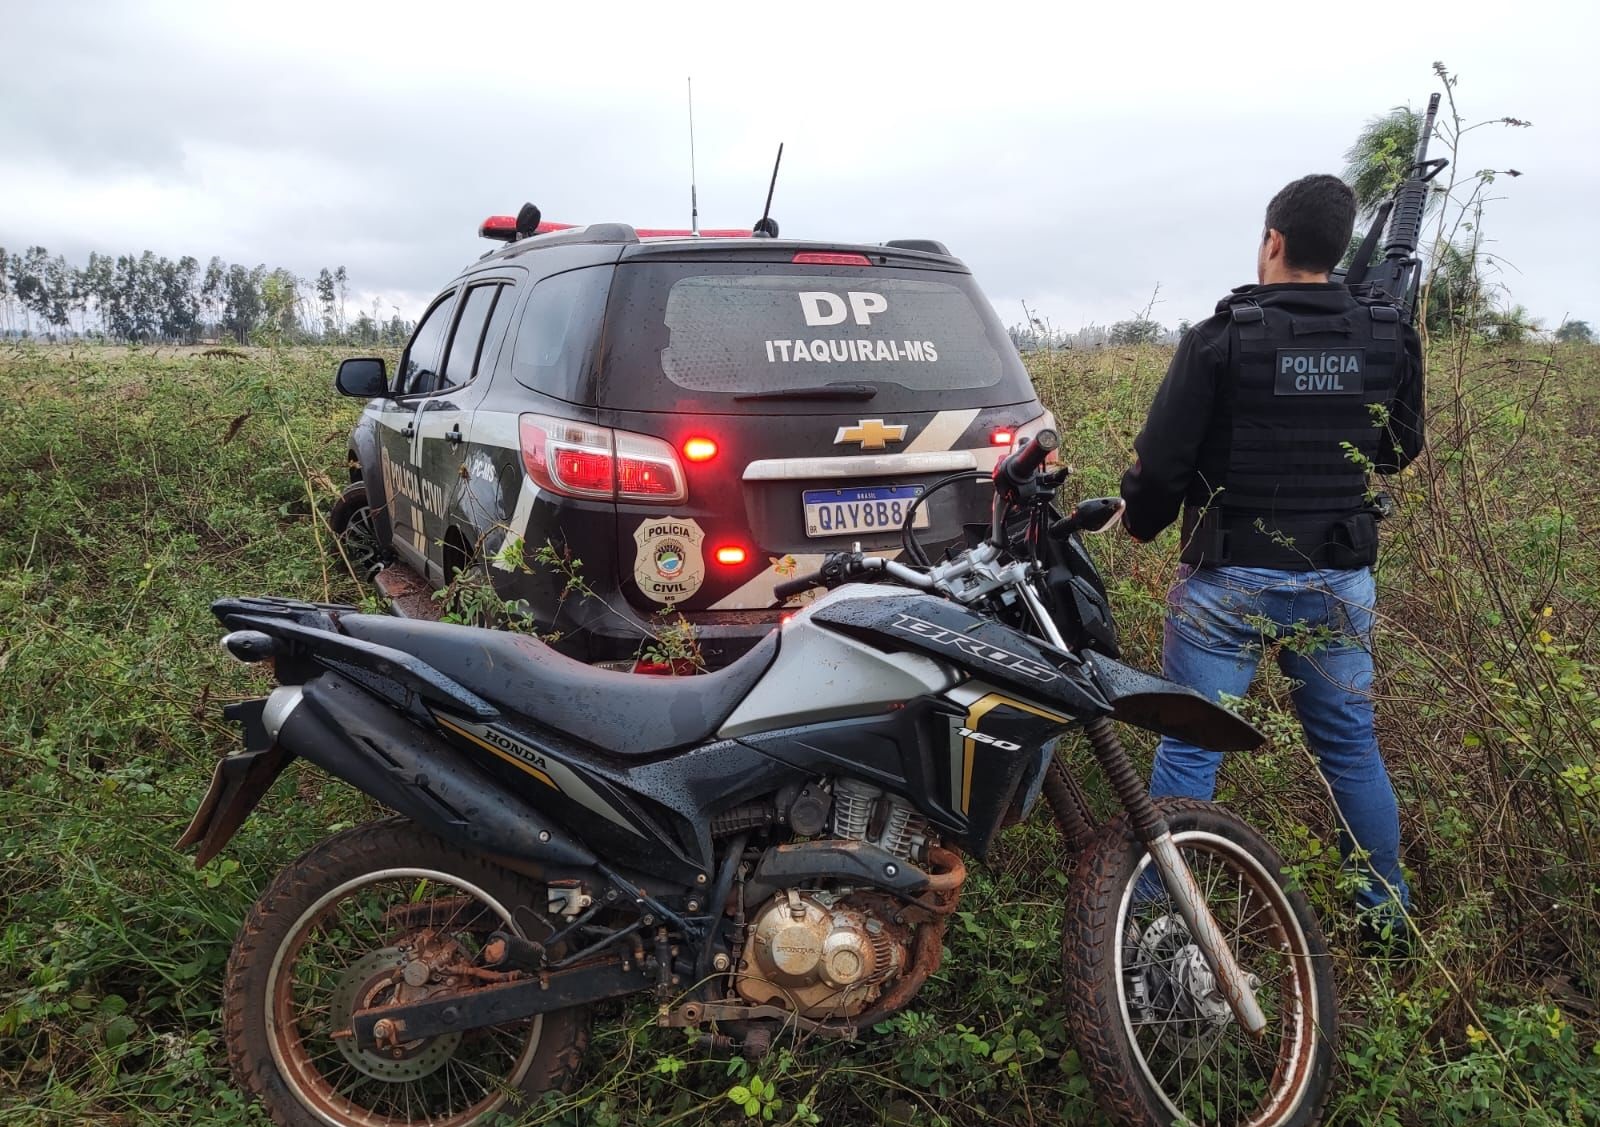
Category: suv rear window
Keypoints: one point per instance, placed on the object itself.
(723, 330)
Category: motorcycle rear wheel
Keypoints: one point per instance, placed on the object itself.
(339, 929)
(1157, 1040)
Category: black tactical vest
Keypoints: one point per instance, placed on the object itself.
(1299, 416)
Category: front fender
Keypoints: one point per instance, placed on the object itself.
(1170, 709)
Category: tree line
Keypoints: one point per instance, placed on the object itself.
(151, 298)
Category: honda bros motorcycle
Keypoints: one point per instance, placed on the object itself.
(772, 849)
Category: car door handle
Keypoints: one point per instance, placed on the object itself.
(411, 429)
(453, 435)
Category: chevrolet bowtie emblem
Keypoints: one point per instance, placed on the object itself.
(872, 434)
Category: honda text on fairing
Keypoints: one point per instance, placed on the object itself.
(694, 419)
(775, 848)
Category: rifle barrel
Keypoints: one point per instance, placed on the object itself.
(1427, 129)
(1405, 224)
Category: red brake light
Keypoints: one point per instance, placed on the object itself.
(581, 460)
(699, 449)
(647, 469)
(1002, 436)
(732, 555)
(568, 458)
(820, 258)
(585, 471)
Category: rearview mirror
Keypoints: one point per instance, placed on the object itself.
(1100, 514)
(364, 378)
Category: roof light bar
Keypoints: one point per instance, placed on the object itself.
(503, 228)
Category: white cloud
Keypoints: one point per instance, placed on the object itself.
(1074, 157)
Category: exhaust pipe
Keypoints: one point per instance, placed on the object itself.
(354, 736)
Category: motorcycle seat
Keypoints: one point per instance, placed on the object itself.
(622, 713)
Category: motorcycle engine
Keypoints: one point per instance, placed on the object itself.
(828, 953)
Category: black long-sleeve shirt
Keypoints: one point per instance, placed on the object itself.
(1172, 446)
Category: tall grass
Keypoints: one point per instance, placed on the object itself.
(140, 485)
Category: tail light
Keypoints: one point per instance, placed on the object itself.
(583, 460)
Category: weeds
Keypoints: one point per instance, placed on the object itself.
(128, 509)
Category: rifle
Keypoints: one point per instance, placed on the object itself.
(1395, 279)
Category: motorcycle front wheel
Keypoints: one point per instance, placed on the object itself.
(374, 916)
(1158, 1041)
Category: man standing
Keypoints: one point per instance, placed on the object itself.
(1264, 430)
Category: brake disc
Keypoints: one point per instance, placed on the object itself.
(1169, 979)
(373, 980)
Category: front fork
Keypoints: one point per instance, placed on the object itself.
(1152, 829)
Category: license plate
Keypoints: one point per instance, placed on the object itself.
(861, 508)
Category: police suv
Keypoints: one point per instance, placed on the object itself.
(695, 418)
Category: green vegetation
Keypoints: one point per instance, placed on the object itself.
(145, 298)
(143, 484)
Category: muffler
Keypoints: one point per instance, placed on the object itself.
(355, 737)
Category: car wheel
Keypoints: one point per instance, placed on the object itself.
(358, 541)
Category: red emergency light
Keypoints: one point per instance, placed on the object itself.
(504, 228)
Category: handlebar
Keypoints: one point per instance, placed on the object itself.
(789, 588)
(1019, 468)
(1014, 475)
(848, 565)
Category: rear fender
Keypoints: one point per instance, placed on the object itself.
(1169, 709)
(237, 785)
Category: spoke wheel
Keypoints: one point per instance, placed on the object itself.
(1158, 1039)
(377, 916)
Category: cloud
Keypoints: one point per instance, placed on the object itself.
(1073, 158)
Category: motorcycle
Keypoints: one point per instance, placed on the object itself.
(775, 848)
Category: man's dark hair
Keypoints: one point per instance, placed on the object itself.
(1315, 215)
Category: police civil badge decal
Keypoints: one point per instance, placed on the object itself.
(669, 565)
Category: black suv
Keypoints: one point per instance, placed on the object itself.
(694, 418)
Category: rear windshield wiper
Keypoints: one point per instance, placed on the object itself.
(860, 391)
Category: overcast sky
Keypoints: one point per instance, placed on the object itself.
(1074, 155)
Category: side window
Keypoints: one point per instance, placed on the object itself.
(468, 336)
(560, 331)
(419, 371)
(505, 305)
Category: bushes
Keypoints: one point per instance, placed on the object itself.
(129, 508)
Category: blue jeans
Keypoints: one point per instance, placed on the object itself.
(1219, 620)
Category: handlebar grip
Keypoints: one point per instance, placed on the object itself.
(792, 587)
(1022, 465)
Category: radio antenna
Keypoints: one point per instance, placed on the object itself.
(766, 226)
(694, 198)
